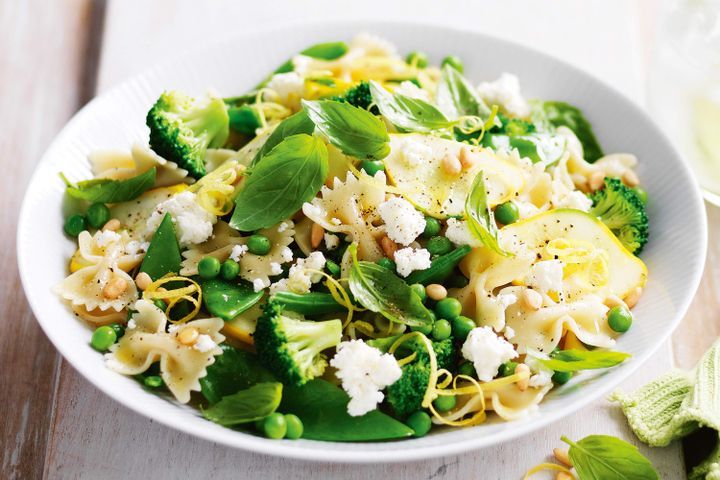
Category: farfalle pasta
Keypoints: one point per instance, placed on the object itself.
(453, 250)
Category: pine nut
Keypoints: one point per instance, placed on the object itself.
(596, 181)
(632, 298)
(316, 235)
(114, 288)
(580, 182)
(436, 291)
(143, 280)
(524, 383)
(467, 158)
(630, 178)
(561, 455)
(112, 224)
(564, 476)
(188, 336)
(451, 165)
(389, 247)
(531, 299)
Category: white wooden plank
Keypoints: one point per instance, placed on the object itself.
(94, 437)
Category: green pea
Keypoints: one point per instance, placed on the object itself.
(294, 427)
(432, 227)
(259, 244)
(275, 426)
(159, 303)
(441, 329)
(332, 267)
(461, 327)
(153, 381)
(620, 319)
(439, 246)
(561, 378)
(75, 224)
(102, 338)
(454, 62)
(387, 263)
(420, 422)
(642, 194)
(467, 369)
(445, 403)
(507, 213)
(119, 329)
(97, 215)
(209, 267)
(419, 59)
(448, 308)
(372, 167)
(507, 369)
(424, 329)
(419, 290)
(230, 269)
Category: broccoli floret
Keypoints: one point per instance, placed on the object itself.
(182, 128)
(290, 348)
(622, 211)
(445, 350)
(405, 396)
(358, 95)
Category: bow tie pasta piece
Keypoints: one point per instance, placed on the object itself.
(509, 403)
(350, 207)
(87, 286)
(134, 215)
(93, 248)
(182, 365)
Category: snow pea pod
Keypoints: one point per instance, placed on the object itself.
(440, 268)
(228, 299)
(163, 254)
(314, 303)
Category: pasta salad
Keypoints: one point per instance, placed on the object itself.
(360, 248)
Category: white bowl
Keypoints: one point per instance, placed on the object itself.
(674, 255)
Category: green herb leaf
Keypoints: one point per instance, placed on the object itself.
(355, 131)
(320, 51)
(480, 217)
(408, 114)
(603, 457)
(163, 254)
(228, 299)
(232, 371)
(380, 291)
(288, 176)
(574, 360)
(106, 190)
(246, 406)
(549, 115)
(456, 97)
(294, 124)
(322, 407)
(546, 148)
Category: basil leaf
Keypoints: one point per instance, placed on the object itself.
(246, 406)
(106, 190)
(288, 176)
(380, 291)
(294, 124)
(232, 371)
(602, 457)
(574, 360)
(480, 217)
(320, 51)
(456, 97)
(409, 114)
(546, 148)
(163, 254)
(355, 131)
(549, 115)
(322, 407)
(228, 299)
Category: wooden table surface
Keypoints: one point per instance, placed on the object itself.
(53, 55)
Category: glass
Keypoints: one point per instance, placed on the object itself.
(684, 85)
